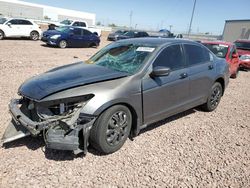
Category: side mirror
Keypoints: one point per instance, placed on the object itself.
(235, 55)
(160, 71)
(9, 24)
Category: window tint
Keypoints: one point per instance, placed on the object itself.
(196, 54)
(86, 32)
(77, 31)
(76, 24)
(170, 57)
(25, 22)
(14, 22)
(82, 24)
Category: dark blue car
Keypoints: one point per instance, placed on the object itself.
(70, 37)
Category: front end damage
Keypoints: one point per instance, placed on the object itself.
(61, 122)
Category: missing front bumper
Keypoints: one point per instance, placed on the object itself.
(72, 139)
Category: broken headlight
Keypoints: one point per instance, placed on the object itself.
(60, 108)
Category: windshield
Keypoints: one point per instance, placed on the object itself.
(219, 50)
(121, 57)
(66, 22)
(243, 45)
(2, 20)
(63, 29)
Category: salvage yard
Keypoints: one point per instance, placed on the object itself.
(191, 149)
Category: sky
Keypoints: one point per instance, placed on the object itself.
(209, 15)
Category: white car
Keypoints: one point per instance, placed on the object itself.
(16, 27)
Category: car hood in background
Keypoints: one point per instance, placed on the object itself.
(65, 77)
(243, 52)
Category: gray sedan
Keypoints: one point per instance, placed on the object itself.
(122, 89)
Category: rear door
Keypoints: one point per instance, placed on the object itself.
(25, 27)
(201, 72)
(166, 95)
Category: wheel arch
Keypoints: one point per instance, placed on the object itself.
(222, 82)
(3, 32)
(136, 120)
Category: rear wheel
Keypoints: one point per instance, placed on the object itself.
(111, 129)
(34, 35)
(1, 35)
(213, 98)
(63, 44)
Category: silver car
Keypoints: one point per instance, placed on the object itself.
(122, 89)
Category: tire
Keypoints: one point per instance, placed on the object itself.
(111, 129)
(63, 44)
(34, 35)
(1, 35)
(236, 74)
(213, 98)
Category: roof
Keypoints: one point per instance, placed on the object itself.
(243, 20)
(217, 42)
(155, 41)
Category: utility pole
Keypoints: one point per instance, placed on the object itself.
(130, 19)
(190, 25)
(170, 27)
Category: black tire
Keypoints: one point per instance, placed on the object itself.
(34, 35)
(111, 129)
(63, 44)
(1, 35)
(213, 98)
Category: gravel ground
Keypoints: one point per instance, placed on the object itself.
(192, 149)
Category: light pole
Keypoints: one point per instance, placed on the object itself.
(170, 27)
(190, 25)
(130, 19)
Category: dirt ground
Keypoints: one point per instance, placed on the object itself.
(192, 149)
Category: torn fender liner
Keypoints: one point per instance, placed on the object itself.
(14, 132)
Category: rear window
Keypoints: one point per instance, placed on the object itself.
(218, 49)
(243, 45)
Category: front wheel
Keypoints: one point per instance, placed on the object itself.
(111, 129)
(63, 44)
(213, 98)
(34, 35)
(1, 35)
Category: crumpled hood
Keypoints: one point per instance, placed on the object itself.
(65, 77)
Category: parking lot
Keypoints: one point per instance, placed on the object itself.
(193, 148)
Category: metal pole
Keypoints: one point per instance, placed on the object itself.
(190, 25)
(130, 21)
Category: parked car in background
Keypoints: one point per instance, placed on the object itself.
(114, 36)
(19, 27)
(70, 37)
(133, 34)
(228, 51)
(243, 48)
(122, 89)
(77, 23)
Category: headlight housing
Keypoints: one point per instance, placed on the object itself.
(55, 36)
(245, 57)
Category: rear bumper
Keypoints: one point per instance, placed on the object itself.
(54, 138)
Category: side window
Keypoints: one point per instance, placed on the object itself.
(171, 57)
(82, 24)
(76, 24)
(14, 22)
(77, 31)
(86, 32)
(196, 54)
(25, 22)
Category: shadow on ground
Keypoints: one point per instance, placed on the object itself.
(59, 155)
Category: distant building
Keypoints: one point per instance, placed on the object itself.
(236, 29)
(15, 8)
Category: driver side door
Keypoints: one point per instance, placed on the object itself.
(12, 28)
(164, 96)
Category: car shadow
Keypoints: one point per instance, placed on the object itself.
(169, 119)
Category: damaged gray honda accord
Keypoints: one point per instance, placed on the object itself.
(123, 88)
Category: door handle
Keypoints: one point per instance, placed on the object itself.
(183, 75)
(210, 67)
